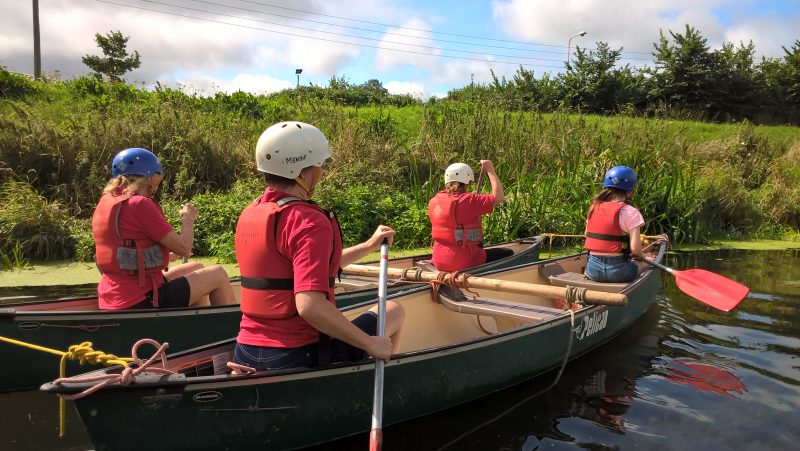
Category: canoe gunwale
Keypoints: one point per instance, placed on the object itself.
(9, 311)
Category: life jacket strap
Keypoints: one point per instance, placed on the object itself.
(604, 237)
(260, 283)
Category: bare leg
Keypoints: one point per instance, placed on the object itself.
(212, 281)
(395, 315)
(181, 270)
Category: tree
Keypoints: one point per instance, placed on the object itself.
(738, 89)
(116, 60)
(782, 79)
(593, 84)
(684, 71)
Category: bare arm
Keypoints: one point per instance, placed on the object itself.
(181, 243)
(494, 180)
(355, 253)
(323, 316)
(636, 241)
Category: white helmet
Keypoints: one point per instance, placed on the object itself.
(285, 148)
(458, 172)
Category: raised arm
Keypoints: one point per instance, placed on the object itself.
(497, 186)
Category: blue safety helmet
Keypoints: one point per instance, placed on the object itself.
(135, 161)
(621, 177)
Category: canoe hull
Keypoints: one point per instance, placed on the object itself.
(298, 409)
(115, 332)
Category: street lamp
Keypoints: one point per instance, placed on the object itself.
(569, 43)
(298, 72)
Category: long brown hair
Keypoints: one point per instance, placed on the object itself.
(455, 187)
(607, 195)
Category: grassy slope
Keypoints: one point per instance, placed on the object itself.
(410, 118)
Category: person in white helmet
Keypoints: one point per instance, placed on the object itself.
(289, 252)
(456, 219)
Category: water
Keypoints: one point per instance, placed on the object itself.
(684, 377)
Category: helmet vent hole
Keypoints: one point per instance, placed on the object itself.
(298, 126)
(284, 125)
(268, 156)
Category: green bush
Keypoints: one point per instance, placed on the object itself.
(32, 226)
(15, 85)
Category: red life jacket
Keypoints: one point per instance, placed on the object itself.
(603, 233)
(445, 229)
(124, 256)
(267, 276)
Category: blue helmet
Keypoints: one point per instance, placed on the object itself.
(135, 161)
(621, 177)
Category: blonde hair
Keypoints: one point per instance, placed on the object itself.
(129, 183)
(454, 187)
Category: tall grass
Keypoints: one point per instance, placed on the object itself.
(697, 182)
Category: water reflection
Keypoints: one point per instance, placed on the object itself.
(686, 376)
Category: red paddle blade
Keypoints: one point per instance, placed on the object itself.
(717, 291)
(705, 377)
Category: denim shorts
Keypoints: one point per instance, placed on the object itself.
(611, 269)
(265, 358)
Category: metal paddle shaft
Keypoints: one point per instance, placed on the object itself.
(710, 288)
(376, 434)
(479, 183)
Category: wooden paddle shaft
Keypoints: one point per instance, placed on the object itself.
(549, 291)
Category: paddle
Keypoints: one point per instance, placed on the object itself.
(510, 286)
(707, 287)
(376, 434)
(480, 182)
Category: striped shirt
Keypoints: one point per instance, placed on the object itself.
(630, 218)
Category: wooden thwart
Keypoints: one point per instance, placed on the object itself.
(510, 286)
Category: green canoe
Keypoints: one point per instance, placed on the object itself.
(451, 352)
(61, 323)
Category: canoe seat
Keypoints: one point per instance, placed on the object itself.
(525, 313)
(579, 280)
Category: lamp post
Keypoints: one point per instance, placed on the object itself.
(569, 43)
(298, 72)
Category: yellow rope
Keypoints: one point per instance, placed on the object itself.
(84, 354)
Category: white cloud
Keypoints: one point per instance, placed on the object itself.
(201, 84)
(406, 87)
(387, 59)
(320, 57)
(634, 24)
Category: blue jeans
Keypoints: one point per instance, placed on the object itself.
(611, 269)
(265, 358)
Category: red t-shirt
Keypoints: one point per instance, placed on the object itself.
(305, 237)
(140, 218)
(470, 208)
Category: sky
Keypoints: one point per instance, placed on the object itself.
(419, 47)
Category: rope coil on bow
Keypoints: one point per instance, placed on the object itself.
(126, 377)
